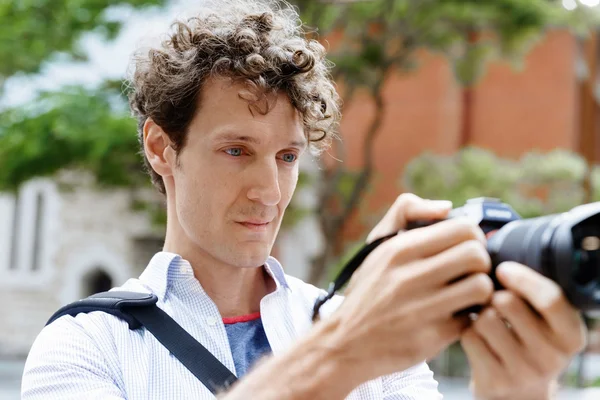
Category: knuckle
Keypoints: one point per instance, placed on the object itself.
(505, 300)
(553, 300)
(395, 250)
(485, 321)
(407, 198)
(477, 255)
(467, 228)
(406, 201)
(488, 315)
(483, 287)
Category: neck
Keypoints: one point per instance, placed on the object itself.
(236, 291)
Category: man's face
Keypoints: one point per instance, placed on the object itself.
(236, 175)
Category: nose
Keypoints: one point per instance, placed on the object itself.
(264, 183)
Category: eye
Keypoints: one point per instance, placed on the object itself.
(234, 151)
(289, 157)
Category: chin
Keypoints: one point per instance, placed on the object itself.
(257, 260)
(251, 257)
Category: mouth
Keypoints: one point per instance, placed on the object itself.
(255, 225)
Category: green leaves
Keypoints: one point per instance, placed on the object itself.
(537, 184)
(74, 128)
(469, 32)
(32, 31)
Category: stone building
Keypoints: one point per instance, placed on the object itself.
(59, 245)
(61, 240)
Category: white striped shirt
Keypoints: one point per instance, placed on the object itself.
(96, 356)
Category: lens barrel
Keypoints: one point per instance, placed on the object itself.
(563, 247)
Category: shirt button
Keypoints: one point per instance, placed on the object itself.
(183, 270)
(211, 321)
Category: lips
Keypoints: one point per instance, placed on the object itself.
(255, 225)
(254, 222)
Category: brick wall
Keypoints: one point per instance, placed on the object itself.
(513, 111)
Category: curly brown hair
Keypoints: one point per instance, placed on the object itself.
(258, 43)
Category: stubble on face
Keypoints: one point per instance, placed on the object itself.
(234, 182)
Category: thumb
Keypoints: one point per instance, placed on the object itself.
(409, 207)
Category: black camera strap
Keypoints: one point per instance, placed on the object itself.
(140, 310)
(346, 273)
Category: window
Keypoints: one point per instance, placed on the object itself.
(15, 233)
(37, 231)
(29, 233)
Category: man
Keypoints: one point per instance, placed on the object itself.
(226, 106)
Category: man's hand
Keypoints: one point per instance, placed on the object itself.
(400, 305)
(398, 311)
(521, 343)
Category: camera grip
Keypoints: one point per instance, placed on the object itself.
(476, 309)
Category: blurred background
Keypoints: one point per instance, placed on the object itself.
(448, 99)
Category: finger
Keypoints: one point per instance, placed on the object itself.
(408, 207)
(527, 324)
(476, 289)
(432, 240)
(504, 344)
(547, 298)
(465, 258)
(481, 357)
(532, 331)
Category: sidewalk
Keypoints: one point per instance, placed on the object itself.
(458, 389)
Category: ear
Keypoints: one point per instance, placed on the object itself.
(158, 150)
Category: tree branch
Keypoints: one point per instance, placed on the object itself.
(365, 175)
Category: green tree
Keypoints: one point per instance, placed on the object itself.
(536, 184)
(380, 38)
(34, 31)
(81, 129)
(73, 127)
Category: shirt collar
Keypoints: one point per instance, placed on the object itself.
(165, 268)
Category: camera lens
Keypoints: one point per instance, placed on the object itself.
(521, 241)
(563, 247)
(583, 275)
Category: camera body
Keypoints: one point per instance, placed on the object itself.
(563, 247)
(489, 213)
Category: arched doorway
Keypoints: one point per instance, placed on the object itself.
(96, 281)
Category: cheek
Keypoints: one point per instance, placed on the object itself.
(192, 190)
(287, 186)
(209, 192)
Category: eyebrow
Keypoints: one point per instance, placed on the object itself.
(234, 137)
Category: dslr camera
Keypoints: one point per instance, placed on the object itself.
(563, 247)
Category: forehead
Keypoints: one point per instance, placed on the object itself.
(224, 106)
